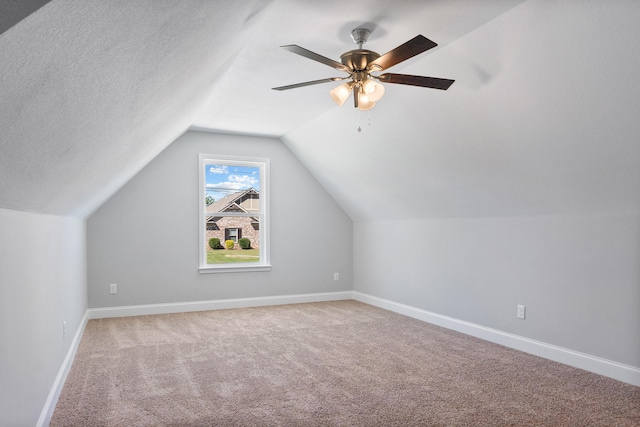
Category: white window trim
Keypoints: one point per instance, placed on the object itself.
(265, 261)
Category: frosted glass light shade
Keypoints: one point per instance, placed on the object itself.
(374, 90)
(364, 102)
(340, 93)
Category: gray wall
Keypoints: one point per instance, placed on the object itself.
(42, 284)
(578, 276)
(145, 238)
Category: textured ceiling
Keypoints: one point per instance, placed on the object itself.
(542, 118)
(92, 90)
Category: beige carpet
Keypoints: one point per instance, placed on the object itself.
(322, 364)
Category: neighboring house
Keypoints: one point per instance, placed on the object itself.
(235, 227)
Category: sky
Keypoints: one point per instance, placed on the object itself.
(222, 180)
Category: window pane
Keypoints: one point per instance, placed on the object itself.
(232, 188)
(220, 229)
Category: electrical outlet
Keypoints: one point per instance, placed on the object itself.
(336, 277)
(521, 311)
(113, 288)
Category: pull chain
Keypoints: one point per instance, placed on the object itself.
(360, 120)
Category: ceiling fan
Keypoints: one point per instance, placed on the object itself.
(360, 63)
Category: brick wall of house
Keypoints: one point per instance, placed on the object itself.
(243, 223)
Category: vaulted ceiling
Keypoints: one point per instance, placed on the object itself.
(542, 118)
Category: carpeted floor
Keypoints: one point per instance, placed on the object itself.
(340, 363)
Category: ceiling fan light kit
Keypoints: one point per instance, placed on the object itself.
(360, 63)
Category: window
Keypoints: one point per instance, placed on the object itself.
(233, 214)
(233, 234)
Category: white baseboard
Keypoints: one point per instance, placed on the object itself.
(608, 368)
(58, 383)
(182, 307)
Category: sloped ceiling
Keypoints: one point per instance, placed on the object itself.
(542, 119)
(91, 91)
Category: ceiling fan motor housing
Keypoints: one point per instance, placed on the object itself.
(358, 59)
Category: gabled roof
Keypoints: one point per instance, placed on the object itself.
(229, 203)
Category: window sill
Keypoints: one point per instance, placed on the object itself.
(234, 269)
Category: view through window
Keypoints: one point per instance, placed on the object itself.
(233, 219)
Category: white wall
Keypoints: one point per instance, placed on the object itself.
(578, 276)
(42, 284)
(145, 238)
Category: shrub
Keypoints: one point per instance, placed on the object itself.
(244, 243)
(229, 244)
(214, 243)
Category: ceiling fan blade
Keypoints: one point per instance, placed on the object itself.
(313, 82)
(316, 57)
(413, 47)
(422, 81)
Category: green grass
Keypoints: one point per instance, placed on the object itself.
(224, 256)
